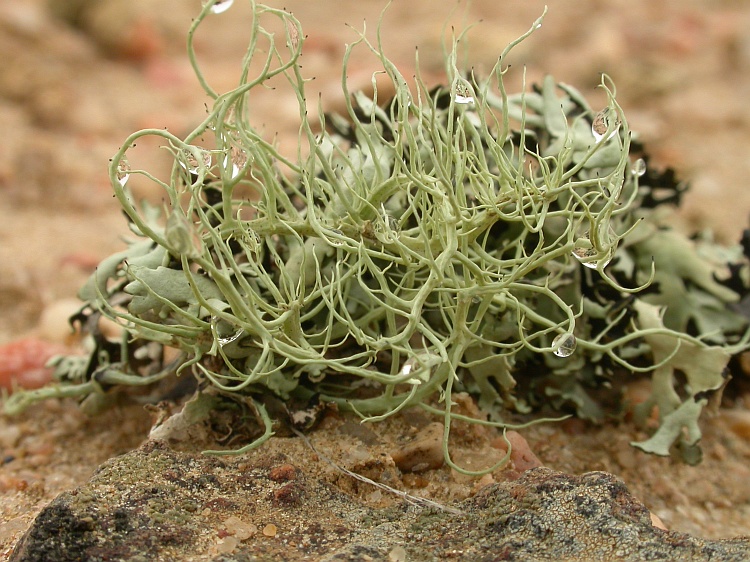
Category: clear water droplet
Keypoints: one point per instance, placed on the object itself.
(420, 365)
(221, 6)
(565, 344)
(586, 257)
(587, 254)
(463, 94)
(123, 171)
(388, 226)
(191, 163)
(409, 365)
(229, 339)
(221, 327)
(605, 120)
(238, 159)
(639, 168)
(293, 34)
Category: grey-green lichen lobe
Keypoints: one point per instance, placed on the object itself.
(158, 504)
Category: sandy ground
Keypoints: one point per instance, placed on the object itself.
(69, 96)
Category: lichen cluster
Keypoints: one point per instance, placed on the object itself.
(449, 238)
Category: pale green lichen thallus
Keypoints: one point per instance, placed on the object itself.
(453, 238)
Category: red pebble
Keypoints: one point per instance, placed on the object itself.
(283, 473)
(22, 361)
(521, 454)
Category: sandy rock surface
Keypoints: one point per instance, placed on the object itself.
(155, 504)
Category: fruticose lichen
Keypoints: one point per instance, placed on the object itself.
(450, 238)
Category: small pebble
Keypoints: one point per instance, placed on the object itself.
(483, 482)
(240, 529)
(657, 522)
(23, 362)
(283, 473)
(38, 461)
(110, 329)
(270, 530)
(11, 483)
(425, 452)
(227, 545)
(54, 322)
(521, 454)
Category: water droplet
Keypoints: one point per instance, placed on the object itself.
(221, 327)
(221, 6)
(229, 339)
(388, 225)
(293, 34)
(190, 162)
(419, 364)
(238, 158)
(587, 258)
(587, 254)
(605, 120)
(463, 94)
(123, 171)
(565, 345)
(639, 168)
(409, 365)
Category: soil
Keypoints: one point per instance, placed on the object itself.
(78, 77)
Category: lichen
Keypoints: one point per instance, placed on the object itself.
(450, 238)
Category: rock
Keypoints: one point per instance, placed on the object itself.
(521, 455)
(425, 452)
(54, 322)
(23, 362)
(158, 504)
(239, 529)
